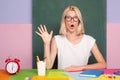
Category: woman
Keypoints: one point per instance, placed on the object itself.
(72, 45)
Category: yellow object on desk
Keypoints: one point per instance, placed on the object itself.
(46, 78)
(39, 78)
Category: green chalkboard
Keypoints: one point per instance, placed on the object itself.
(49, 12)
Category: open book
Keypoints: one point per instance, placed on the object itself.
(91, 73)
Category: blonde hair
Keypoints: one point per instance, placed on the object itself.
(63, 29)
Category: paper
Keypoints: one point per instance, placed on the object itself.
(76, 75)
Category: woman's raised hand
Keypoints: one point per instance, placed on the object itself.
(43, 33)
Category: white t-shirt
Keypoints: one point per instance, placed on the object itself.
(73, 54)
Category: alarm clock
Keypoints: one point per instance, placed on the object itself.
(12, 66)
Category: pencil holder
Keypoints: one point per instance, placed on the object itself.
(41, 68)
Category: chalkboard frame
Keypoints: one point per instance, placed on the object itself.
(49, 12)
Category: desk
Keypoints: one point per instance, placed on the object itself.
(23, 73)
(51, 74)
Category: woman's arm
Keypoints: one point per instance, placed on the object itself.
(50, 58)
(49, 46)
(99, 58)
(99, 65)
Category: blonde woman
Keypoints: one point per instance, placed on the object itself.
(72, 46)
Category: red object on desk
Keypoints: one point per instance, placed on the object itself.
(12, 66)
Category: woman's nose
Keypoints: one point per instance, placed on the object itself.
(72, 20)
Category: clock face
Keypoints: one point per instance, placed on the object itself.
(12, 67)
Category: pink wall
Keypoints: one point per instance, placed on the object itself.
(113, 46)
(16, 42)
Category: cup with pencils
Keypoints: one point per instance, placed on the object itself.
(41, 67)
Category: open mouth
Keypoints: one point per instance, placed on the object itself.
(72, 25)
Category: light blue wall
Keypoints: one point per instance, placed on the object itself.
(20, 11)
(113, 11)
(15, 11)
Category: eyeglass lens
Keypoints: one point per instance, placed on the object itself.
(69, 18)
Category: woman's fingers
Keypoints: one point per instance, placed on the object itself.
(45, 28)
(43, 33)
(42, 28)
(38, 33)
(51, 32)
(39, 29)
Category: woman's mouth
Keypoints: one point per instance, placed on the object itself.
(72, 25)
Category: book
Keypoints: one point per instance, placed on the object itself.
(91, 73)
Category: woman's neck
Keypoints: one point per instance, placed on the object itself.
(72, 36)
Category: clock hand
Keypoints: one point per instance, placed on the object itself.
(12, 66)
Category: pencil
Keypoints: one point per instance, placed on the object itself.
(37, 59)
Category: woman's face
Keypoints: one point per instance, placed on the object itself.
(71, 21)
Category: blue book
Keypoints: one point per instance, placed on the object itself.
(91, 73)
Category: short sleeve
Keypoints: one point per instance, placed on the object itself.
(58, 40)
(92, 41)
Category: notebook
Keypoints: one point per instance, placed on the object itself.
(91, 73)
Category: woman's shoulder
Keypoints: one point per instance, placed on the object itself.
(59, 36)
(59, 39)
(88, 36)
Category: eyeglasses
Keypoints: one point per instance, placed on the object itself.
(69, 18)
